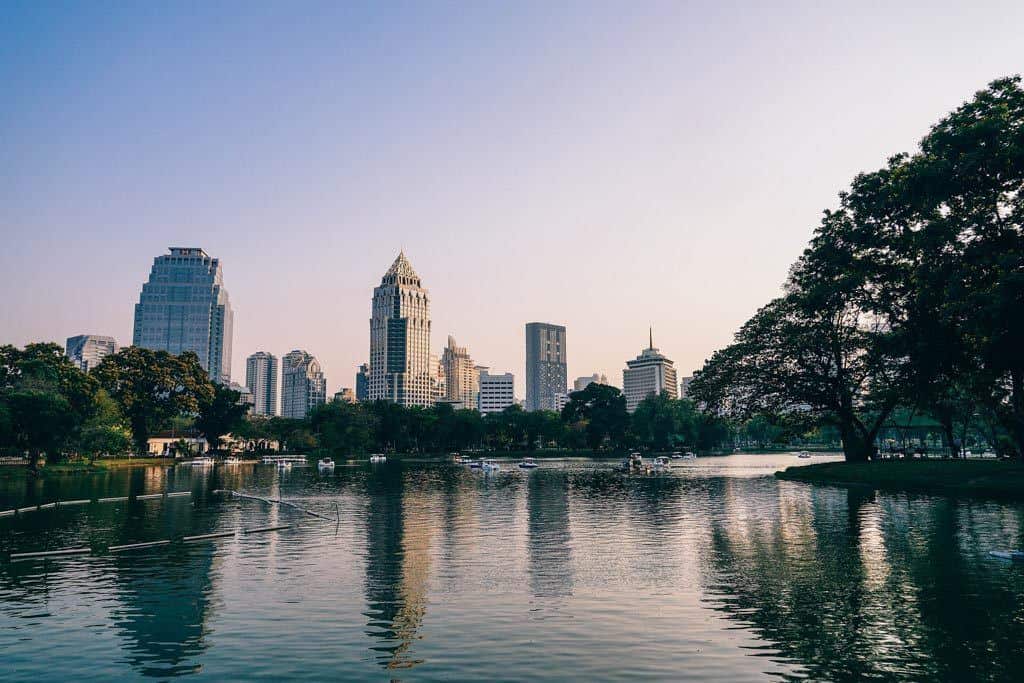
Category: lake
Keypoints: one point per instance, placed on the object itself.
(715, 571)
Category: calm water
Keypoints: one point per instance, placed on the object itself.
(714, 572)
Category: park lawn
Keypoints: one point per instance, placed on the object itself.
(977, 477)
(80, 466)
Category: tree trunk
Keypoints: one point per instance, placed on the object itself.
(856, 448)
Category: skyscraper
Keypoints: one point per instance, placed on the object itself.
(303, 386)
(545, 365)
(461, 376)
(363, 382)
(649, 373)
(87, 350)
(400, 338)
(261, 379)
(184, 307)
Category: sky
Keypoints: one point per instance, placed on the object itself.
(608, 166)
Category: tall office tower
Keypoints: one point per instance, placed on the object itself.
(303, 386)
(582, 383)
(497, 392)
(545, 365)
(461, 376)
(684, 386)
(649, 373)
(400, 338)
(87, 350)
(363, 382)
(184, 307)
(261, 378)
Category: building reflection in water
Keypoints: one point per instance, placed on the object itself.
(549, 544)
(399, 533)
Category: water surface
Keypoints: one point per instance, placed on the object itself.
(715, 572)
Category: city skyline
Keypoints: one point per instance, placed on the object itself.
(668, 162)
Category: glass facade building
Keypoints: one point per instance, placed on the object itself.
(184, 307)
(87, 350)
(303, 385)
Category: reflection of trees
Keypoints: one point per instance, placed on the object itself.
(399, 528)
(853, 588)
(549, 551)
(164, 608)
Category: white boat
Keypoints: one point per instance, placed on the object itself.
(803, 454)
(527, 464)
(378, 457)
(661, 464)
(676, 455)
(490, 466)
(325, 465)
(633, 462)
(202, 461)
(284, 464)
(232, 460)
(689, 455)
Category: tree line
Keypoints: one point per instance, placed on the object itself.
(909, 297)
(49, 406)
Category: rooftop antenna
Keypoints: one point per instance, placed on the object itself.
(650, 331)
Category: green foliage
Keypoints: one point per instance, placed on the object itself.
(910, 293)
(152, 387)
(220, 413)
(45, 400)
(105, 432)
(599, 412)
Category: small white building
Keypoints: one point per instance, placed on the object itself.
(497, 392)
(177, 446)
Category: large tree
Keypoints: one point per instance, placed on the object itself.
(600, 411)
(46, 399)
(220, 412)
(152, 387)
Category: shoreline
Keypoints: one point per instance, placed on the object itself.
(985, 478)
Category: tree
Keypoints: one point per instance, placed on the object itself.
(105, 432)
(45, 399)
(600, 410)
(152, 387)
(344, 428)
(220, 413)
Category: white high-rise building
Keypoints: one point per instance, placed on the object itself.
(87, 350)
(400, 338)
(497, 392)
(303, 386)
(462, 379)
(647, 374)
(582, 383)
(684, 386)
(261, 379)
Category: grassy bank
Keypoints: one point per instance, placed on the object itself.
(975, 477)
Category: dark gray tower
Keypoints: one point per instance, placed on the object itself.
(545, 365)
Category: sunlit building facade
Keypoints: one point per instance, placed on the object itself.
(648, 374)
(303, 386)
(261, 370)
(184, 307)
(462, 379)
(400, 338)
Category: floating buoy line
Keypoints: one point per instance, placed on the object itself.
(70, 552)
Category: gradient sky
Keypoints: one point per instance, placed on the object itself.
(606, 166)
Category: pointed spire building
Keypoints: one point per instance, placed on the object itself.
(400, 338)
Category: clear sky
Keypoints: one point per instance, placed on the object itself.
(606, 166)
